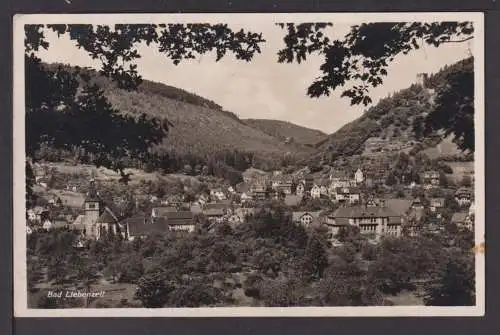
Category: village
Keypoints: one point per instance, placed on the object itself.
(344, 198)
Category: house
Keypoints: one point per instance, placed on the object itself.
(235, 219)
(259, 191)
(359, 177)
(136, 227)
(323, 187)
(216, 212)
(435, 204)
(372, 221)
(430, 178)
(398, 206)
(463, 196)
(284, 186)
(316, 192)
(472, 209)
(307, 182)
(305, 218)
(340, 179)
(300, 189)
(463, 220)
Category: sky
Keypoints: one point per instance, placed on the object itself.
(263, 88)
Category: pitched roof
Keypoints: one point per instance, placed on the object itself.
(362, 211)
(439, 201)
(462, 190)
(398, 206)
(107, 216)
(216, 205)
(178, 216)
(459, 217)
(214, 212)
(92, 194)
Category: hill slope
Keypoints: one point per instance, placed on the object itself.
(200, 127)
(392, 125)
(287, 131)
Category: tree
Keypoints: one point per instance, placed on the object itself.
(453, 285)
(68, 111)
(152, 290)
(315, 259)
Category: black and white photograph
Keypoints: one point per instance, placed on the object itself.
(249, 164)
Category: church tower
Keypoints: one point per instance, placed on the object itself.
(92, 211)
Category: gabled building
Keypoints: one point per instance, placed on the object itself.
(430, 178)
(372, 221)
(463, 220)
(359, 177)
(316, 192)
(463, 196)
(158, 212)
(98, 218)
(216, 212)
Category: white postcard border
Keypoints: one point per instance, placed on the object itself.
(19, 231)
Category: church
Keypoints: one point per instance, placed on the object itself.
(98, 218)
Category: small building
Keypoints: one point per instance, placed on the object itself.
(218, 194)
(215, 212)
(463, 196)
(306, 219)
(158, 212)
(430, 178)
(316, 192)
(347, 195)
(436, 204)
(463, 220)
(292, 200)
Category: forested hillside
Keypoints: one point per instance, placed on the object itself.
(395, 123)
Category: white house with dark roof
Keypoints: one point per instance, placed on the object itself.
(359, 176)
(306, 219)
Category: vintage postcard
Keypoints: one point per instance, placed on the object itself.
(217, 165)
